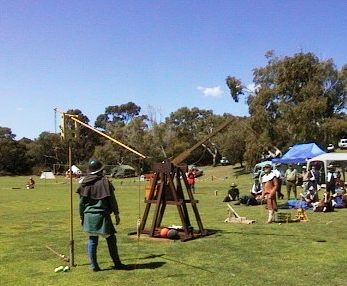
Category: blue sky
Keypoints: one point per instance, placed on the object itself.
(165, 54)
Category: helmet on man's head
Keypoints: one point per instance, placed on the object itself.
(94, 167)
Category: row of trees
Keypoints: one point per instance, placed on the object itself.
(296, 99)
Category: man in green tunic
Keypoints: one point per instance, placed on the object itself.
(97, 203)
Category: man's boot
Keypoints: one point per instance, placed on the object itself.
(271, 216)
(113, 250)
(92, 249)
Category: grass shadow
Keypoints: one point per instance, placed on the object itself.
(251, 233)
(152, 256)
(136, 266)
(163, 256)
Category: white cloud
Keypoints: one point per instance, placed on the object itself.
(19, 108)
(214, 91)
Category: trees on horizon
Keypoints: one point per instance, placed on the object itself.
(296, 99)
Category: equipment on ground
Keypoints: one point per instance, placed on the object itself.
(163, 232)
(235, 218)
(283, 217)
(60, 255)
(172, 233)
(301, 215)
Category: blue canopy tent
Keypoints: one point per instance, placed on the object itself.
(300, 153)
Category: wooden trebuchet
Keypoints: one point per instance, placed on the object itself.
(235, 218)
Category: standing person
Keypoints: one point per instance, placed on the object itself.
(279, 180)
(313, 177)
(191, 179)
(291, 176)
(331, 180)
(97, 203)
(305, 179)
(270, 185)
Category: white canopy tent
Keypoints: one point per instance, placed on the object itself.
(337, 159)
(47, 175)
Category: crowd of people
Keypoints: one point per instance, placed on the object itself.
(267, 185)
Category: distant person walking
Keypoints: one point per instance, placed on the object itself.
(191, 175)
(97, 203)
(291, 177)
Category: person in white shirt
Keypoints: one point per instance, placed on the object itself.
(305, 178)
(313, 177)
(256, 189)
(269, 183)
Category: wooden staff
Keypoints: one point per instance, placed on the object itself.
(72, 243)
(60, 255)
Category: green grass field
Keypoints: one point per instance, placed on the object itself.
(311, 253)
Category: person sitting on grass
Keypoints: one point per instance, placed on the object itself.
(255, 197)
(339, 182)
(306, 201)
(325, 205)
(233, 194)
(256, 189)
(310, 196)
(339, 200)
(30, 184)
